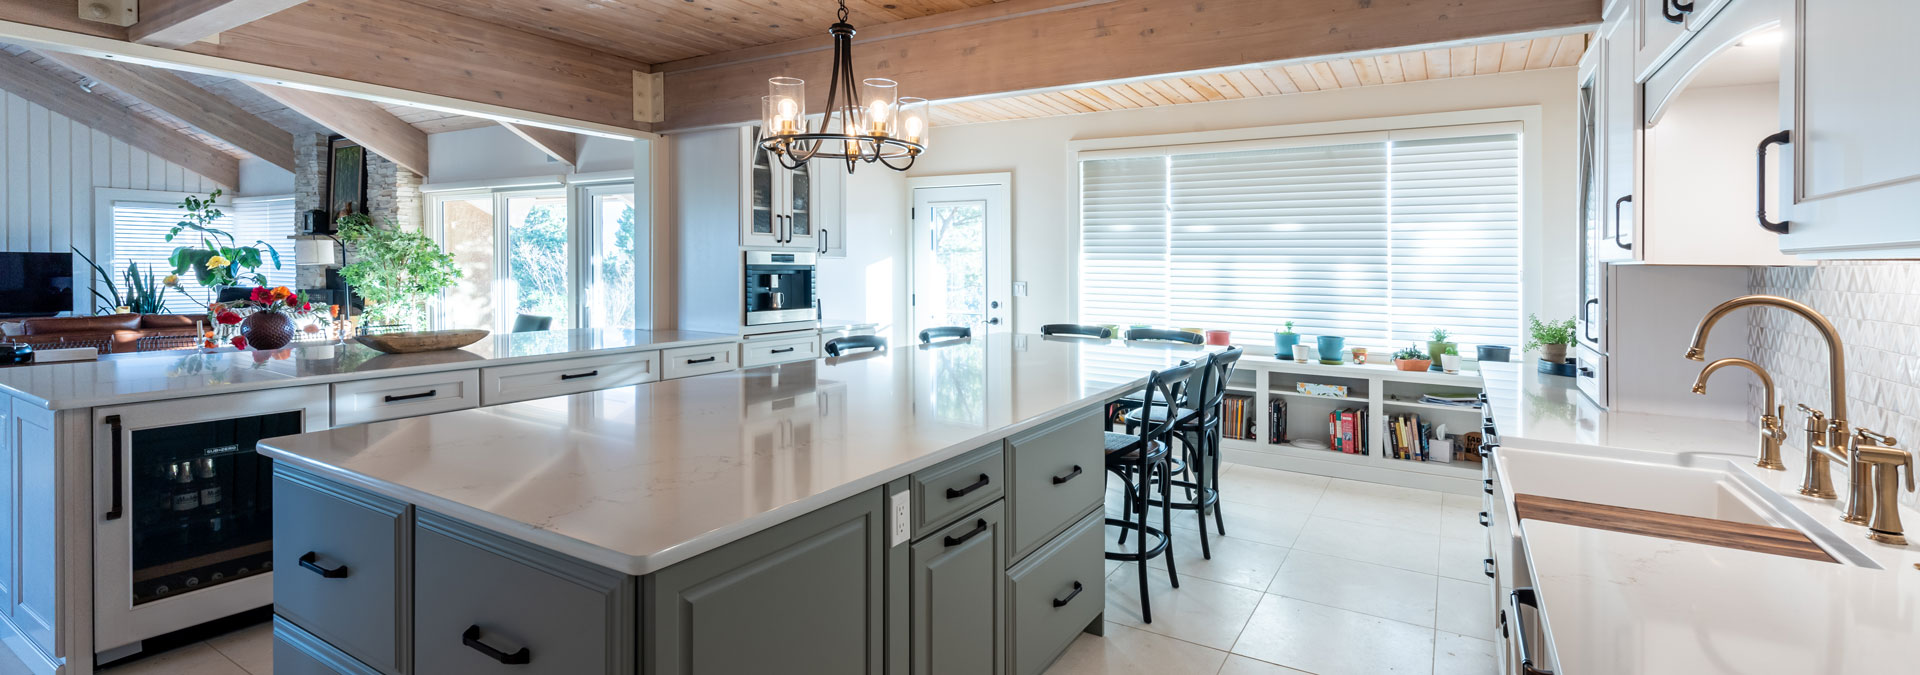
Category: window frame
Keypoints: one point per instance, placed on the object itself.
(103, 248)
(582, 239)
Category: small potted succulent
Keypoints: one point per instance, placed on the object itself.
(1449, 356)
(1550, 337)
(1284, 341)
(1411, 359)
(1437, 344)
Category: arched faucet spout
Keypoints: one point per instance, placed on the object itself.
(1836, 352)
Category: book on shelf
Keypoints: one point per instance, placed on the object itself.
(1408, 437)
(1236, 417)
(1347, 430)
(1277, 421)
(1465, 398)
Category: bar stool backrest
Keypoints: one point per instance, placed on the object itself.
(1079, 329)
(843, 345)
(1213, 387)
(943, 332)
(1165, 335)
(1166, 387)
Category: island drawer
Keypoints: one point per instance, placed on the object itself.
(769, 351)
(391, 398)
(297, 652)
(525, 382)
(485, 604)
(1055, 594)
(699, 360)
(340, 556)
(1056, 476)
(955, 487)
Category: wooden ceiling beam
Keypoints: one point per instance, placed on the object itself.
(205, 110)
(1019, 46)
(363, 122)
(177, 23)
(36, 84)
(560, 145)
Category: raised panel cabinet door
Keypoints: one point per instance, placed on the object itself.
(297, 652)
(1853, 163)
(957, 486)
(1055, 594)
(804, 597)
(1620, 120)
(9, 490)
(1057, 477)
(34, 604)
(1654, 36)
(958, 604)
(830, 211)
(340, 556)
(760, 226)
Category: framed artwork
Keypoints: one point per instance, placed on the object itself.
(346, 177)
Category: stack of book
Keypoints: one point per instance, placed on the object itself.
(1277, 421)
(1236, 417)
(1455, 397)
(1407, 437)
(1347, 430)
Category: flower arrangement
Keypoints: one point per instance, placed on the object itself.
(225, 317)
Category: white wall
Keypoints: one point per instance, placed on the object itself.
(492, 152)
(1036, 152)
(261, 178)
(869, 285)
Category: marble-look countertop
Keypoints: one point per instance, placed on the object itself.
(1548, 412)
(638, 478)
(134, 378)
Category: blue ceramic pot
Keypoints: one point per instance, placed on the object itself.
(1330, 347)
(1283, 345)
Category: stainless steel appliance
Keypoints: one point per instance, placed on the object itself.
(780, 291)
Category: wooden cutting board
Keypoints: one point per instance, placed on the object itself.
(1726, 534)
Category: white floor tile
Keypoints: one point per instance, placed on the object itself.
(1388, 546)
(1284, 490)
(1241, 665)
(1454, 501)
(1461, 523)
(1462, 655)
(1386, 505)
(1252, 522)
(1235, 561)
(1126, 651)
(194, 659)
(251, 648)
(1466, 608)
(1199, 611)
(1333, 641)
(1382, 591)
(1464, 559)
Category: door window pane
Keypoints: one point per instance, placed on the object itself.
(466, 227)
(537, 257)
(957, 292)
(612, 300)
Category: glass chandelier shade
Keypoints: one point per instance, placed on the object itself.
(869, 122)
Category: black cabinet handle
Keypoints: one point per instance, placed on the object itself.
(1586, 320)
(1616, 223)
(1488, 565)
(978, 527)
(1485, 521)
(114, 509)
(1070, 475)
(1668, 9)
(1062, 602)
(471, 638)
(311, 560)
(956, 493)
(1776, 139)
(781, 351)
(425, 394)
(823, 241)
(709, 359)
(591, 373)
(1489, 486)
(1516, 598)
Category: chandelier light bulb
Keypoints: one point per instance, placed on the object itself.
(914, 129)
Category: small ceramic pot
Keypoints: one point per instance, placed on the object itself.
(1359, 355)
(1219, 337)
(1554, 353)
(1493, 353)
(1283, 344)
(1413, 365)
(1303, 353)
(1330, 346)
(1450, 363)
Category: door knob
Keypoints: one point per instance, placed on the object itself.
(995, 321)
(993, 305)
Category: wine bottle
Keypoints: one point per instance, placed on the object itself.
(212, 498)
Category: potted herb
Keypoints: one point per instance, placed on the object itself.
(219, 261)
(1550, 337)
(1410, 359)
(1284, 341)
(1437, 344)
(397, 271)
(1449, 356)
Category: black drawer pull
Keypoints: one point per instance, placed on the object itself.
(956, 493)
(781, 351)
(1070, 475)
(978, 527)
(425, 394)
(709, 359)
(1488, 565)
(576, 376)
(312, 561)
(1489, 487)
(1484, 521)
(471, 638)
(1062, 602)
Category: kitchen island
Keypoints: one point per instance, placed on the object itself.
(874, 513)
(136, 505)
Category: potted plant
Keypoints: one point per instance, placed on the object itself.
(267, 320)
(218, 261)
(397, 271)
(1449, 357)
(143, 296)
(1438, 344)
(1410, 359)
(1284, 341)
(1550, 337)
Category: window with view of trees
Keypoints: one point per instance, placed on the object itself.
(541, 252)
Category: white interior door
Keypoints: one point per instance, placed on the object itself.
(962, 252)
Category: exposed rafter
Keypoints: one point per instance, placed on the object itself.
(560, 145)
(35, 84)
(203, 109)
(362, 122)
(177, 23)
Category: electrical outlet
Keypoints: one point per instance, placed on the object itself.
(1019, 289)
(902, 521)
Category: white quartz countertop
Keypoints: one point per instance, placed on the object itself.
(134, 378)
(638, 478)
(1541, 411)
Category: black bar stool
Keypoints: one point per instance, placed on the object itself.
(1079, 329)
(1199, 431)
(1165, 335)
(844, 345)
(1145, 456)
(945, 332)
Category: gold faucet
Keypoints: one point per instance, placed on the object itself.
(1771, 432)
(1886, 461)
(1818, 482)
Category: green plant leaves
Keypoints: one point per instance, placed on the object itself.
(395, 270)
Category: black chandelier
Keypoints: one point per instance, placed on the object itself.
(885, 129)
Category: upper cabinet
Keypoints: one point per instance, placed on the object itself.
(778, 204)
(1852, 164)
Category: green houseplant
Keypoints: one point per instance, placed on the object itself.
(1550, 337)
(1283, 342)
(144, 295)
(396, 270)
(1410, 358)
(1449, 357)
(219, 260)
(1437, 344)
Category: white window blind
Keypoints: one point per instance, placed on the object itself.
(140, 236)
(1379, 242)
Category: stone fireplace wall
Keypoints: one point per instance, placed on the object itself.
(393, 194)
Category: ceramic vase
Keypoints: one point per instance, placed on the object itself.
(1283, 344)
(1450, 363)
(267, 330)
(1554, 354)
(1330, 347)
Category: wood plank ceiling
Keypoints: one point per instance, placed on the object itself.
(1339, 73)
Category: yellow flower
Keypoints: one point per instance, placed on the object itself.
(172, 280)
(217, 262)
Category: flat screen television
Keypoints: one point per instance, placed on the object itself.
(35, 284)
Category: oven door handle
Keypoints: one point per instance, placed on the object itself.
(1523, 596)
(118, 460)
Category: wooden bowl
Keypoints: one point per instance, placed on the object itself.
(421, 341)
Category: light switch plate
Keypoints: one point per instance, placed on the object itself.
(902, 521)
(1019, 289)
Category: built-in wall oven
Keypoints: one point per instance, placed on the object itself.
(780, 291)
(183, 520)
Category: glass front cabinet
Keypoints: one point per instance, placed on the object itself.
(780, 207)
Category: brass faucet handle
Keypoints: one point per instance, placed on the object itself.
(1810, 411)
(1874, 437)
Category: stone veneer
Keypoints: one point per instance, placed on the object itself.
(393, 193)
(1876, 306)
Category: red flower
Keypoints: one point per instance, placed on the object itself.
(306, 307)
(228, 318)
(261, 295)
(239, 342)
(292, 302)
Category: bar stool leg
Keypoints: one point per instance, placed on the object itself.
(1166, 520)
(1219, 521)
(1140, 543)
(1201, 480)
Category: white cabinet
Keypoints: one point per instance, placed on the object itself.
(1853, 163)
(780, 348)
(527, 381)
(1619, 113)
(830, 208)
(1659, 26)
(777, 204)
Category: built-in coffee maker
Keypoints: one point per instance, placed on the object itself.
(780, 291)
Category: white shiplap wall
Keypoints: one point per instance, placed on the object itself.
(49, 166)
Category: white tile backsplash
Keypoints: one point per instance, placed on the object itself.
(1876, 307)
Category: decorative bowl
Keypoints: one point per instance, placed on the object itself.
(421, 341)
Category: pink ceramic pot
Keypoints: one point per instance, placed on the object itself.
(1219, 337)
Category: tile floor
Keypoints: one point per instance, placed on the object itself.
(1317, 575)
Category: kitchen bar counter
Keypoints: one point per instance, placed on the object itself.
(638, 478)
(135, 378)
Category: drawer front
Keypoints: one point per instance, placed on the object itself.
(957, 486)
(297, 652)
(768, 352)
(485, 605)
(958, 596)
(690, 361)
(1057, 476)
(339, 556)
(507, 384)
(1045, 613)
(391, 398)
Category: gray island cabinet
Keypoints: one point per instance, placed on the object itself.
(927, 522)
